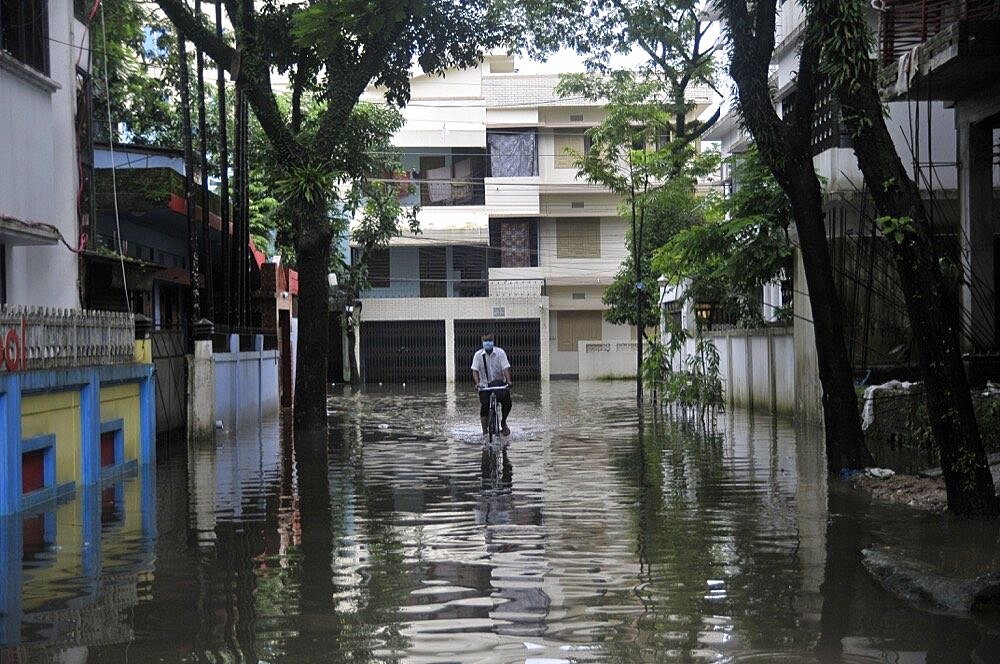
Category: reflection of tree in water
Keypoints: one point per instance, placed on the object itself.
(698, 519)
(352, 573)
(857, 612)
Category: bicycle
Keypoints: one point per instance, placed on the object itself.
(494, 425)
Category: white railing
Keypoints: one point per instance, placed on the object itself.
(46, 338)
(515, 288)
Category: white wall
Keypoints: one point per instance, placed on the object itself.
(757, 367)
(38, 166)
(512, 196)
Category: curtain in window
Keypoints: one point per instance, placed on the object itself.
(512, 155)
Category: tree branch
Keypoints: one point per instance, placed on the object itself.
(193, 29)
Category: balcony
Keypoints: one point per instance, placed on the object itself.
(457, 288)
(941, 49)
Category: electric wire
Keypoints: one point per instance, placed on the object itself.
(114, 177)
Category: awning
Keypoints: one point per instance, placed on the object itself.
(16, 232)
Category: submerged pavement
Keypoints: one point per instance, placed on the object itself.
(589, 538)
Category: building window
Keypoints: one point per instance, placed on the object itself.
(513, 242)
(568, 146)
(433, 271)
(378, 268)
(513, 152)
(433, 177)
(578, 238)
(24, 32)
(573, 327)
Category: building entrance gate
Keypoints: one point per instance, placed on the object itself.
(403, 351)
(519, 338)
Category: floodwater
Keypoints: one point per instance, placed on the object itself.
(402, 540)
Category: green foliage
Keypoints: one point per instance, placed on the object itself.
(670, 34)
(894, 229)
(847, 43)
(694, 384)
(136, 49)
(310, 39)
(667, 210)
(739, 245)
(346, 184)
(637, 153)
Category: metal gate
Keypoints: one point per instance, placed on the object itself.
(520, 338)
(169, 357)
(404, 350)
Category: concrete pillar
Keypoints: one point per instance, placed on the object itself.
(450, 370)
(90, 429)
(10, 446)
(545, 343)
(975, 189)
(147, 391)
(201, 386)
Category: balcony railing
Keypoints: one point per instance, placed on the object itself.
(44, 338)
(904, 24)
(459, 288)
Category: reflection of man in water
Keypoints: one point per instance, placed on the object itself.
(512, 547)
(495, 502)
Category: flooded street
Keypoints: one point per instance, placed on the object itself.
(587, 540)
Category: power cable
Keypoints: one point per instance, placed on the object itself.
(114, 176)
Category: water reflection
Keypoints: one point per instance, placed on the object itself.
(398, 537)
(72, 571)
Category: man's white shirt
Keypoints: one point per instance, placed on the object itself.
(490, 365)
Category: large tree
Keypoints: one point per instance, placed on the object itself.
(335, 49)
(785, 145)
(930, 304)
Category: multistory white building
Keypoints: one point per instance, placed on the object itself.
(511, 240)
(41, 73)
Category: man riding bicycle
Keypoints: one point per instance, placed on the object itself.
(491, 368)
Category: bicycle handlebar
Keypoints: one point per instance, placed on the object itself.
(495, 388)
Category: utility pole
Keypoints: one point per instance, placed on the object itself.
(227, 265)
(206, 226)
(189, 180)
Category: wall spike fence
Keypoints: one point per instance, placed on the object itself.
(49, 338)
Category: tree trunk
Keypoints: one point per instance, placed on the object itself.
(785, 145)
(313, 251)
(929, 303)
(352, 346)
(845, 446)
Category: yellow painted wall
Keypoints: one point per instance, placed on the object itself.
(56, 413)
(122, 402)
